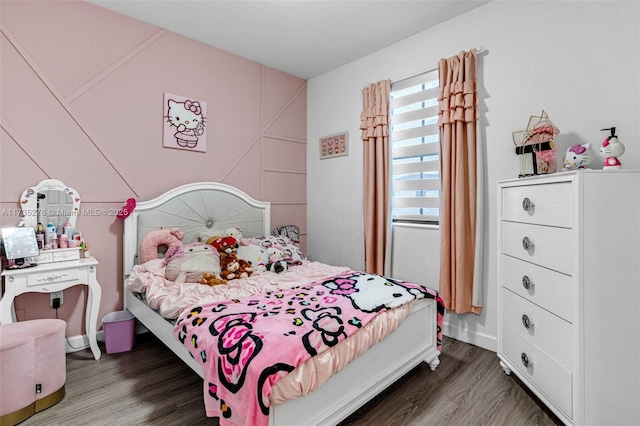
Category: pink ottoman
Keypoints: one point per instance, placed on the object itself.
(33, 368)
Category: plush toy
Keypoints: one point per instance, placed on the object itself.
(156, 243)
(276, 263)
(233, 267)
(220, 232)
(277, 266)
(224, 244)
(212, 279)
(188, 263)
(578, 157)
(255, 255)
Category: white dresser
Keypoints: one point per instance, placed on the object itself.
(569, 292)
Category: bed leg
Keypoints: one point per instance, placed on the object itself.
(433, 363)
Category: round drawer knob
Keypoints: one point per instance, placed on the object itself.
(526, 282)
(527, 204)
(527, 244)
(526, 321)
(525, 360)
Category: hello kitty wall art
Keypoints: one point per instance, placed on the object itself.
(184, 123)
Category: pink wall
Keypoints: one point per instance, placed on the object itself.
(82, 101)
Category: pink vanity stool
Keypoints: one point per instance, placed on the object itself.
(33, 368)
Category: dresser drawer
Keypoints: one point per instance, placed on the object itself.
(549, 289)
(545, 373)
(62, 255)
(547, 331)
(549, 204)
(550, 247)
(52, 277)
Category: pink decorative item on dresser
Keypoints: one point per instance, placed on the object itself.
(611, 149)
(33, 368)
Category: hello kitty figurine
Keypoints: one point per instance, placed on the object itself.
(188, 119)
(578, 157)
(611, 149)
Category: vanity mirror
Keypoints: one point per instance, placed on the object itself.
(50, 201)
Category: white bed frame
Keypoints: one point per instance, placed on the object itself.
(191, 208)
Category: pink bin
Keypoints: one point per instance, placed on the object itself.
(119, 331)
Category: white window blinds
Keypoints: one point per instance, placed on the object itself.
(415, 149)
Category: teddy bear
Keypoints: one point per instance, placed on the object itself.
(208, 234)
(226, 244)
(233, 267)
(188, 263)
(212, 279)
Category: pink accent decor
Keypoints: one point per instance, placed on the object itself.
(33, 367)
(127, 209)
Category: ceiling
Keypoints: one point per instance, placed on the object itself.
(300, 37)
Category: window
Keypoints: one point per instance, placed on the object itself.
(415, 149)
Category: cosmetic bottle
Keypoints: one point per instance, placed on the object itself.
(64, 241)
(40, 236)
(50, 234)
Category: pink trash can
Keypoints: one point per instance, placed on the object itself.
(119, 331)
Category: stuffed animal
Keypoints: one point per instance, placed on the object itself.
(224, 244)
(236, 233)
(255, 255)
(578, 157)
(188, 263)
(233, 267)
(276, 263)
(212, 279)
(277, 266)
(155, 244)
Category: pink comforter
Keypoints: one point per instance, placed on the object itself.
(170, 298)
(246, 346)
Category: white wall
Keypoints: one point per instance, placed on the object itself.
(579, 61)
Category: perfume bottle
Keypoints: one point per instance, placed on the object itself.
(40, 236)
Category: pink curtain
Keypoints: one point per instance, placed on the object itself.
(457, 119)
(375, 136)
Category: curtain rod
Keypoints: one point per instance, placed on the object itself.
(424, 70)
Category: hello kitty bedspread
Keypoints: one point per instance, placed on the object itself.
(245, 346)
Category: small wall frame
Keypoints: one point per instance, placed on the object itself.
(334, 145)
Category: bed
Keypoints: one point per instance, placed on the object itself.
(197, 207)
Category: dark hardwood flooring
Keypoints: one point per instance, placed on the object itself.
(150, 386)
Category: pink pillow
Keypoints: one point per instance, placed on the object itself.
(159, 242)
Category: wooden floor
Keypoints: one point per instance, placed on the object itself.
(151, 386)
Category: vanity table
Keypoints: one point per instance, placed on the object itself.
(50, 277)
(52, 202)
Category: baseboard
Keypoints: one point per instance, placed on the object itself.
(81, 342)
(475, 338)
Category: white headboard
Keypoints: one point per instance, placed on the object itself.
(194, 208)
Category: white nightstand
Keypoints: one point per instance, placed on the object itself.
(50, 277)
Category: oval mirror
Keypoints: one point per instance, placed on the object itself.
(50, 201)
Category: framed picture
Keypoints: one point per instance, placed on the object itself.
(185, 123)
(334, 145)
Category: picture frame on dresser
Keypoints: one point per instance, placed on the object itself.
(568, 270)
